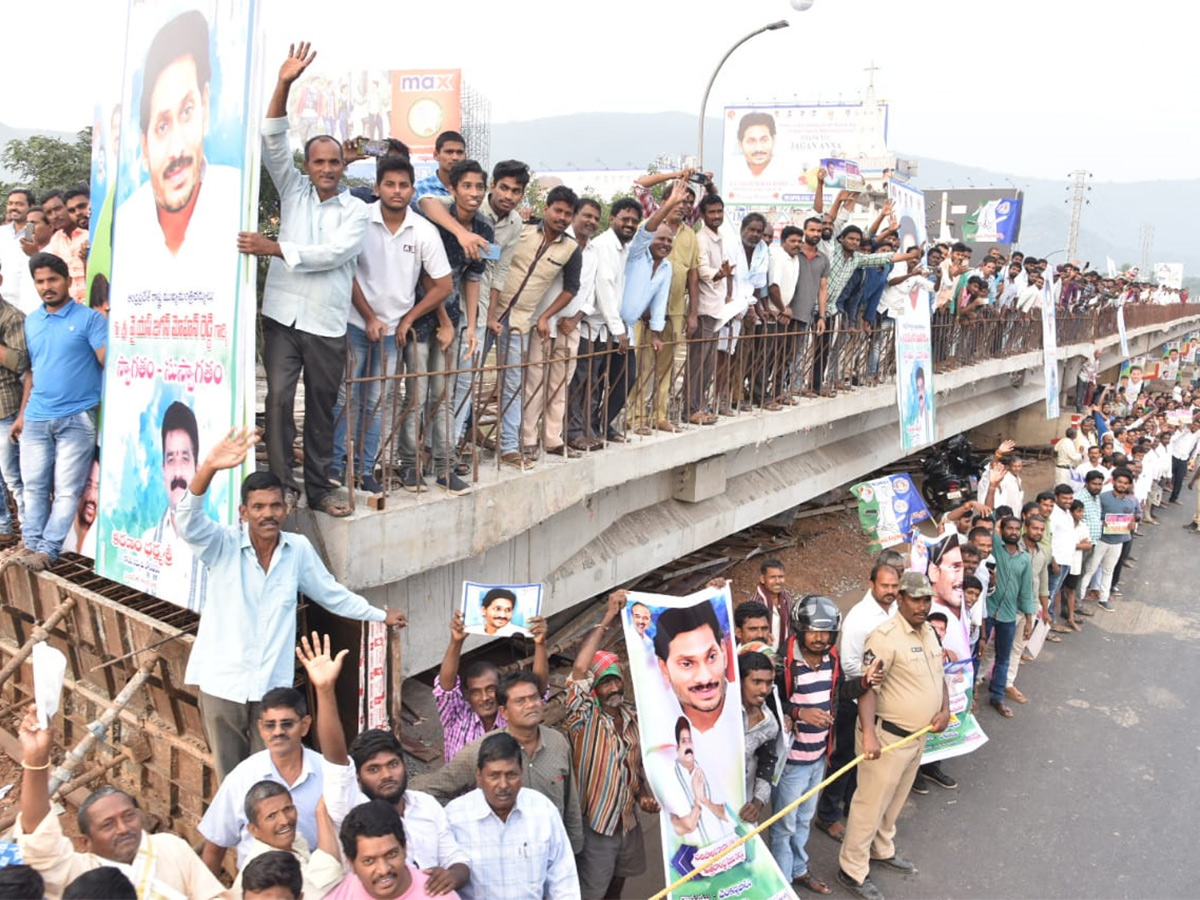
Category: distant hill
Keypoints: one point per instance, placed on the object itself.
(1110, 225)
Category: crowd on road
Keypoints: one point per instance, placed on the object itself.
(586, 328)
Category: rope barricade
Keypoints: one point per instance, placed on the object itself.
(661, 895)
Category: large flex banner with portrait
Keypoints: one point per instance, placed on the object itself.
(689, 703)
(771, 153)
(180, 367)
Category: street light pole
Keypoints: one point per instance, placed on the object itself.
(774, 26)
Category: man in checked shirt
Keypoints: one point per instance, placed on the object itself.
(608, 765)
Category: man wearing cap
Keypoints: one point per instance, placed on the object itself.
(911, 696)
(608, 765)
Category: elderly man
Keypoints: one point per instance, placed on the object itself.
(912, 696)
(111, 825)
(272, 821)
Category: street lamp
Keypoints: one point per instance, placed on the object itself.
(774, 26)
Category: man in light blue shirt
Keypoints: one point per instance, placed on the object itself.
(306, 301)
(245, 643)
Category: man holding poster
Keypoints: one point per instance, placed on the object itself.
(692, 741)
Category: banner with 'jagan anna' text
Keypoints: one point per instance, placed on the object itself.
(180, 366)
(689, 700)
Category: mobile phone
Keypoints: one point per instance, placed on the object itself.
(29, 232)
(698, 178)
(492, 252)
(374, 148)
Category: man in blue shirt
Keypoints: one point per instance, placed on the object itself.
(449, 149)
(245, 643)
(57, 422)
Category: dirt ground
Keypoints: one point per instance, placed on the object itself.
(831, 558)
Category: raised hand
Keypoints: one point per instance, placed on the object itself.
(458, 630)
(537, 628)
(298, 59)
(231, 451)
(323, 668)
(35, 742)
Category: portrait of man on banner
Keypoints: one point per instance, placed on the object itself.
(187, 202)
(181, 355)
(684, 672)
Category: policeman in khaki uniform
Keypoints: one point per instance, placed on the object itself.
(912, 695)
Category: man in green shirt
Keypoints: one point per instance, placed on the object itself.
(1012, 596)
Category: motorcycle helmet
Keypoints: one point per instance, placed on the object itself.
(814, 612)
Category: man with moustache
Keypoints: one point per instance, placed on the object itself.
(56, 424)
(272, 822)
(911, 695)
(606, 747)
(375, 841)
(702, 819)
(248, 628)
(804, 294)
(69, 241)
(373, 769)
(282, 725)
(113, 835)
(181, 578)
(516, 842)
(183, 209)
(545, 755)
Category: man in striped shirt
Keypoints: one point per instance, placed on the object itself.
(608, 765)
(812, 679)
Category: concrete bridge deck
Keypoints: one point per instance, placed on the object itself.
(583, 526)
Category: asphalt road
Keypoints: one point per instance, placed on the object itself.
(1092, 789)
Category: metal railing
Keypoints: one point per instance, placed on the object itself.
(568, 395)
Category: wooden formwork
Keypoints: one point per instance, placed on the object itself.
(108, 632)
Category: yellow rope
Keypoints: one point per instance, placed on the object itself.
(783, 812)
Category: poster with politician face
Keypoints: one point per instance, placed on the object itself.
(180, 369)
(500, 610)
(681, 660)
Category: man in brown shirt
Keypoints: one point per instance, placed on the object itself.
(913, 694)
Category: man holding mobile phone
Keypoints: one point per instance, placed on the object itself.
(15, 235)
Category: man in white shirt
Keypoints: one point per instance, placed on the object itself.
(306, 301)
(600, 375)
(396, 248)
(1183, 449)
(373, 769)
(1062, 546)
(514, 837)
(14, 261)
(282, 723)
(876, 607)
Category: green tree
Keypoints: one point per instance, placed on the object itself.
(44, 163)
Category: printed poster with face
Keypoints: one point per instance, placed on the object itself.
(772, 153)
(1050, 352)
(685, 680)
(914, 376)
(500, 610)
(888, 509)
(180, 367)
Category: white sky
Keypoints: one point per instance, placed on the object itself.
(1033, 87)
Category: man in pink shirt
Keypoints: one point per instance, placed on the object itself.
(372, 837)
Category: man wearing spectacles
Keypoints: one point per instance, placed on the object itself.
(283, 721)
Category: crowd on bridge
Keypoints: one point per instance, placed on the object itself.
(668, 319)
